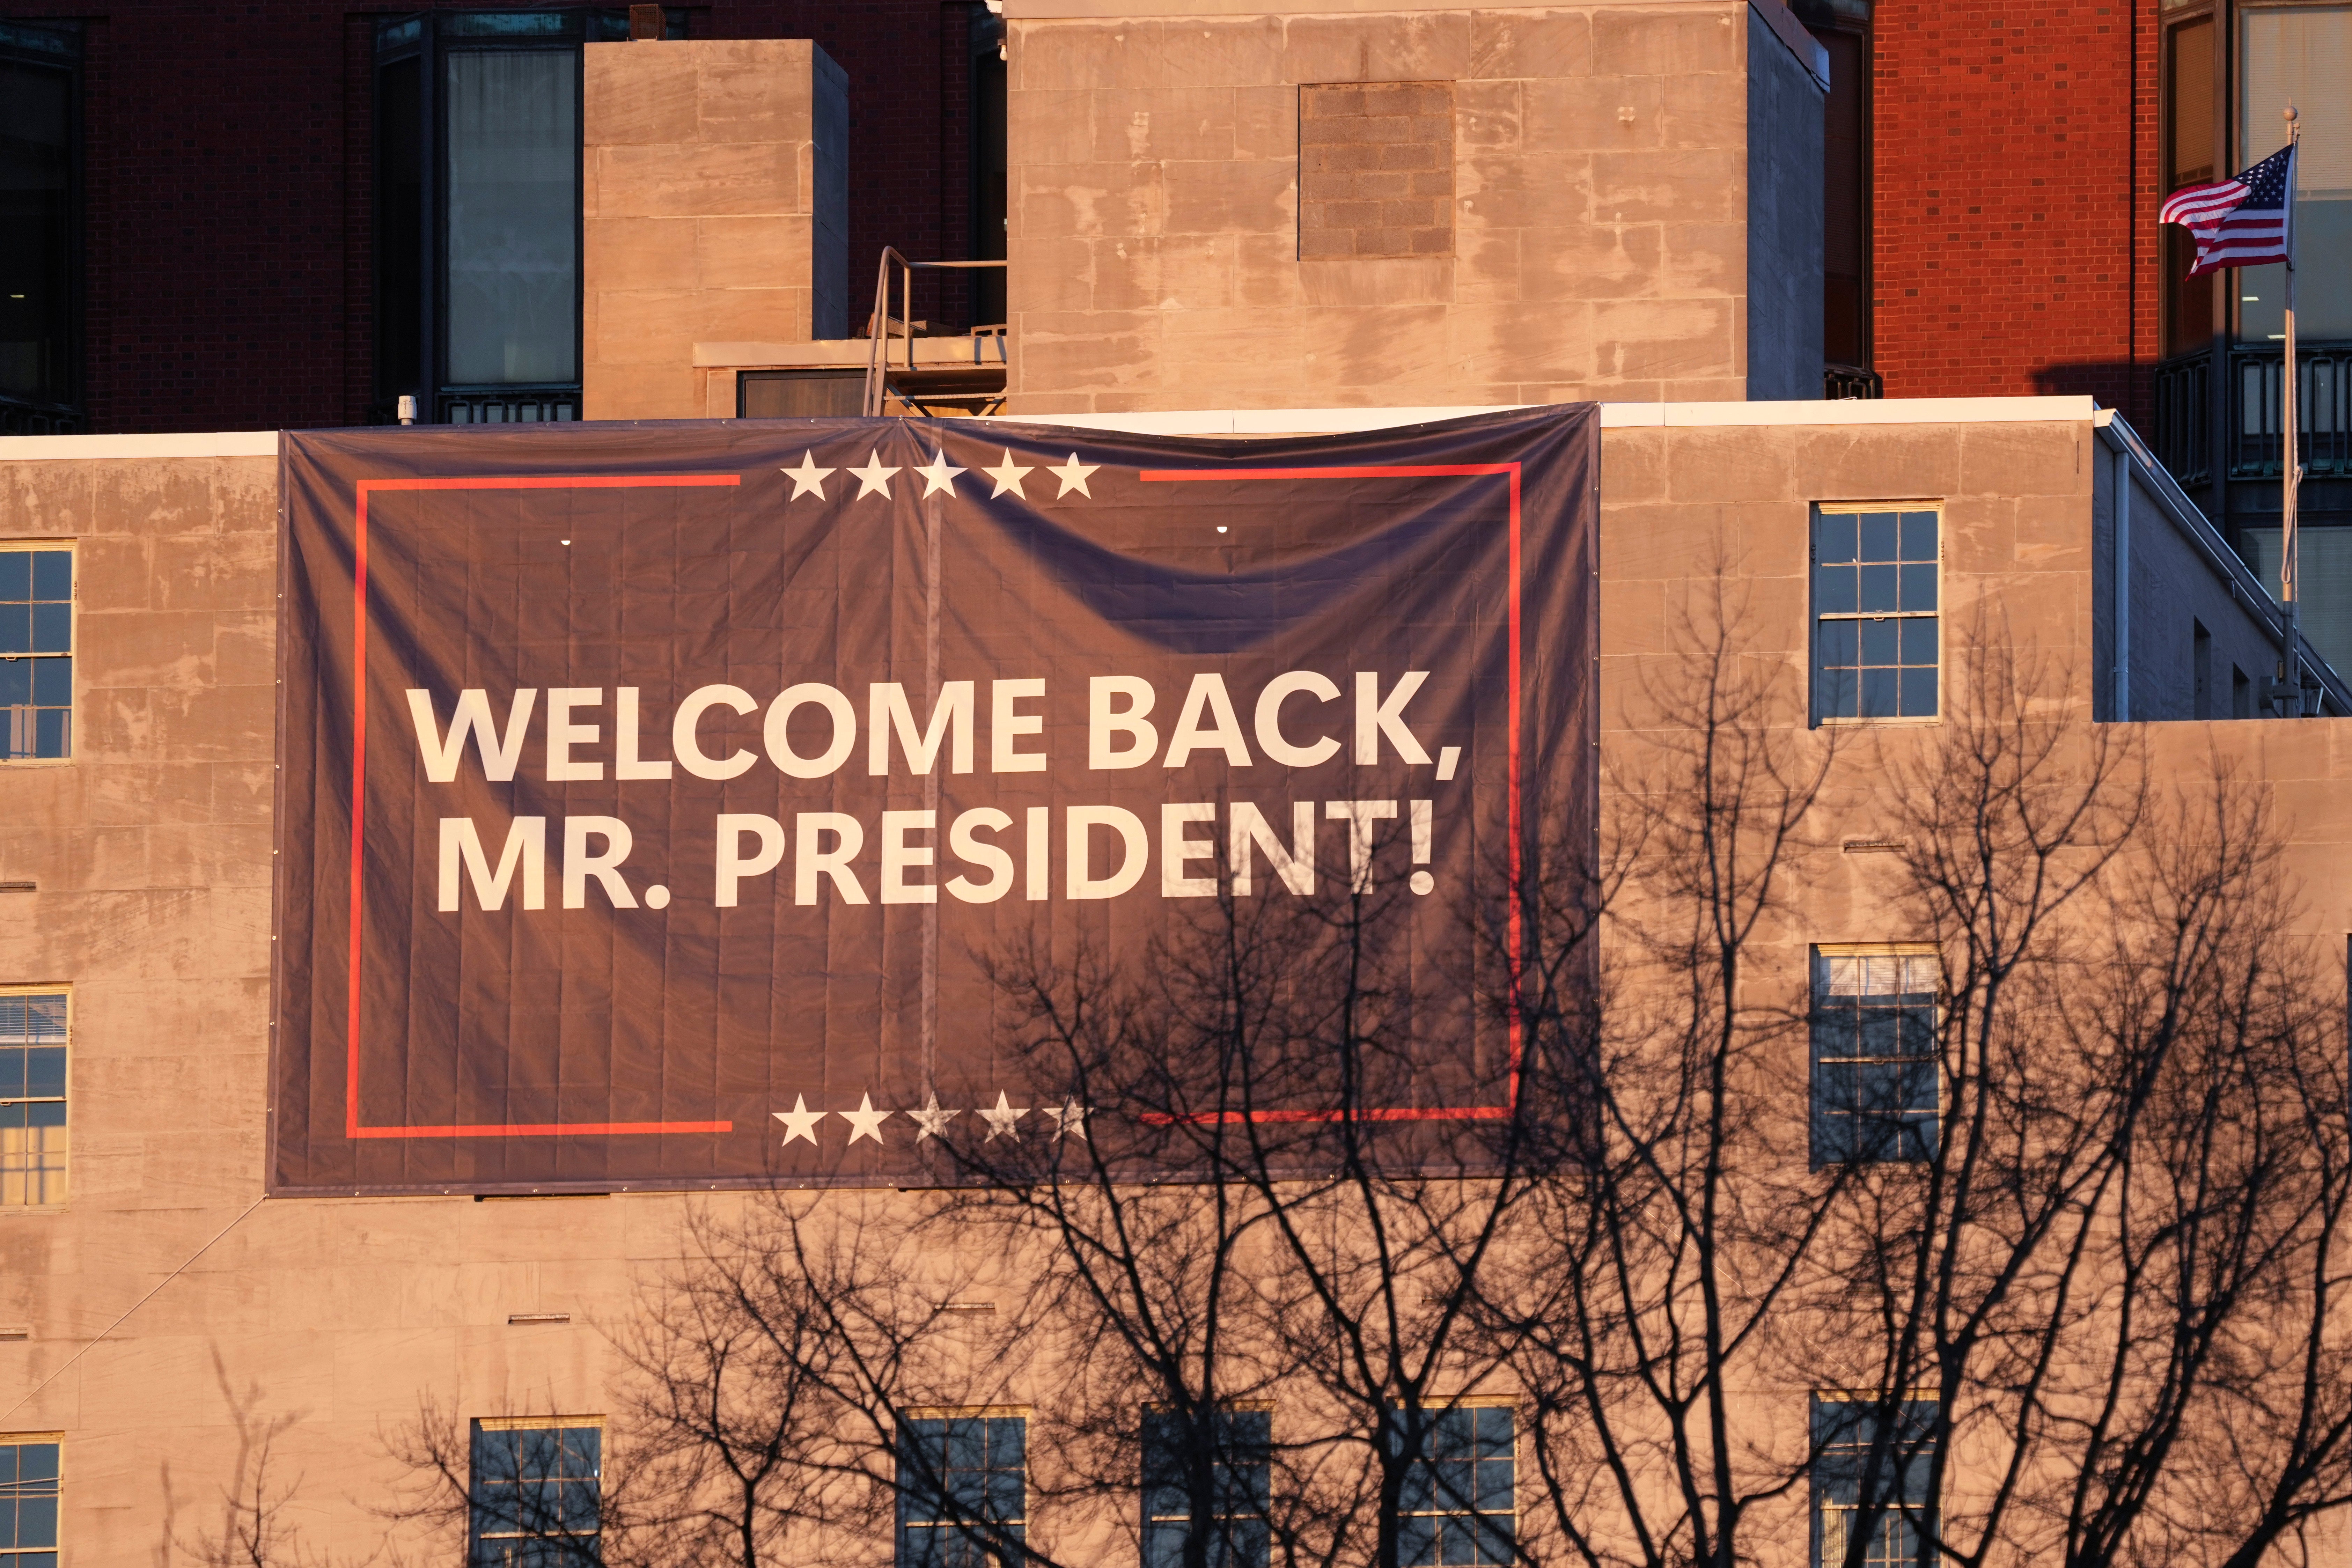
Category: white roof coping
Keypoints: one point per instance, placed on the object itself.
(1256, 422)
(205, 444)
(1613, 415)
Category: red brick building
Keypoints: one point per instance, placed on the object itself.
(222, 259)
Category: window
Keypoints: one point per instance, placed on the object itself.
(1876, 648)
(478, 211)
(1457, 1501)
(2189, 132)
(33, 1028)
(1376, 169)
(28, 1502)
(1240, 1453)
(538, 1487)
(2299, 55)
(2324, 560)
(35, 652)
(1872, 1506)
(963, 1492)
(799, 394)
(1877, 1083)
(1845, 166)
(40, 228)
(2242, 694)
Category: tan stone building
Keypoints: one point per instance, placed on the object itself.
(159, 1313)
(1222, 221)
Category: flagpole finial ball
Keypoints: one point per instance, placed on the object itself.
(2290, 114)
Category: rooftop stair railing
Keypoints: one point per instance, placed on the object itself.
(927, 389)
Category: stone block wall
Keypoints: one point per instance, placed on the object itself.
(1165, 253)
(715, 207)
(173, 1318)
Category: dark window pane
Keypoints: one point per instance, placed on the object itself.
(1918, 536)
(1878, 536)
(1878, 694)
(1833, 537)
(44, 1113)
(13, 1071)
(52, 629)
(51, 680)
(1878, 641)
(15, 574)
(45, 1071)
(1840, 694)
(512, 209)
(36, 231)
(1919, 587)
(52, 573)
(37, 1521)
(1840, 642)
(1833, 590)
(1918, 693)
(1878, 589)
(1919, 640)
(16, 628)
(52, 733)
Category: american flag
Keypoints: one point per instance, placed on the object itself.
(2243, 222)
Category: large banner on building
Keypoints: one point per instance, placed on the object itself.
(719, 804)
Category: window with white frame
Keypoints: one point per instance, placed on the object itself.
(1877, 637)
(1876, 1073)
(1238, 1447)
(33, 1029)
(1458, 1503)
(29, 1501)
(963, 1490)
(1873, 1504)
(536, 1493)
(36, 590)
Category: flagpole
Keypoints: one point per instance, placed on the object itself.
(2289, 562)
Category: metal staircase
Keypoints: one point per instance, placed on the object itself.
(896, 386)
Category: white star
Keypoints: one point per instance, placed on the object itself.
(1008, 475)
(808, 479)
(1003, 1119)
(873, 480)
(938, 474)
(800, 1122)
(930, 1121)
(1069, 1117)
(1073, 475)
(865, 1121)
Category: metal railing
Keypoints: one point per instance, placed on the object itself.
(1851, 380)
(2251, 447)
(507, 405)
(18, 417)
(881, 324)
(2323, 411)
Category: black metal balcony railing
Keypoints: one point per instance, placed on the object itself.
(2253, 446)
(1844, 380)
(2323, 411)
(507, 404)
(18, 417)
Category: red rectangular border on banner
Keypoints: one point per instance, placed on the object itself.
(351, 1125)
(351, 1128)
